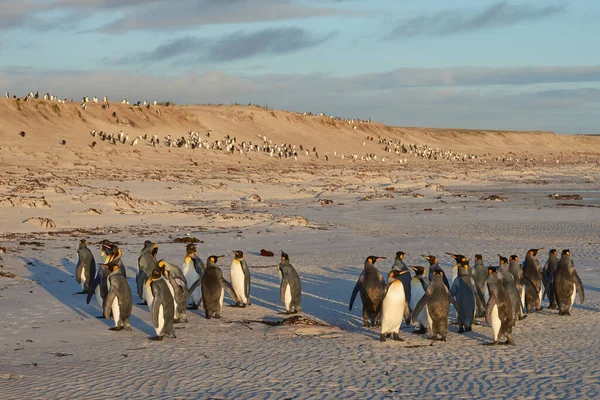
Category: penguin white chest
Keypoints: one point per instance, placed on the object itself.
(287, 297)
(573, 296)
(82, 278)
(148, 296)
(116, 311)
(496, 323)
(99, 297)
(221, 298)
(161, 320)
(238, 281)
(393, 309)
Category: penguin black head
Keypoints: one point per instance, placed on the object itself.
(400, 254)
(552, 251)
(514, 257)
(374, 259)
(147, 243)
(22, 133)
(83, 241)
(394, 274)
(214, 259)
(284, 256)
(190, 248)
(156, 274)
(432, 259)
(492, 270)
(566, 252)
(419, 271)
(503, 260)
(239, 254)
(478, 257)
(460, 259)
(63, 142)
(534, 252)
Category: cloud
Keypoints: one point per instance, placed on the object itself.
(450, 22)
(238, 45)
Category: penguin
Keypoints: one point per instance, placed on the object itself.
(480, 277)
(567, 284)
(418, 287)
(193, 269)
(146, 264)
(463, 293)
(508, 282)
(548, 276)
(405, 279)
(532, 281)
(86, 267)
(118, 300)
(498, 310)
(290, 289)
(213, 289)
(371, 286)
(178, 286)
(437, 299)
(434, 266)
(517, 272)
(161, 306)
(240, 279)
(393, 304)
(99, 287)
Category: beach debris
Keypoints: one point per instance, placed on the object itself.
(266, 253)
(376, 196)
(492, 197)
(254, 197)
(418, 196)
(325, 202)
(11, 376)
(557, 196)
(187, 239)
(2, 250)
(8, 275)
(44, 222)
(94, 211)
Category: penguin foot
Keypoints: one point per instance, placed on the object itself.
(156, 338)
(461, 330)
(494, 343)
(172, 335)
(553, 306)
(382, 337)
(421, 331)
(116, 328)
(176, 321)
(522, 317)
(128, 328)
(468, 329)
(388, 335)
(398, 338)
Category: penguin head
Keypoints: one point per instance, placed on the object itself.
(514, 257)
(534, 252)
(478, 257)
(432, 259)
(147, 243)
(162, 267)
(552, 251)
(460, 259)
(214, 259)
(239, 254)
(503, 260)
(566, 252)
(374, 259)
(284, 256)
(394, 274)
(115, 253)
(492, 270)
(400, 255)
(156, 274)
(105, 247)
(190, 249)
(419, 271)
(83, 241)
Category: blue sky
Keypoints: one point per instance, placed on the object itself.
(528, 65)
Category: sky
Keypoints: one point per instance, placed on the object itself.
(481, 64)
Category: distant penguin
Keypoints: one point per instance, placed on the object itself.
(146, 263)
(99, 287)
(418, 286)
(567, 284)
(399, 265)
(532, 281)
(161, 306)
(118, 300)
(240, 278)
(371, 286)
(480, 276)
(435, 266)
(498, 311)
(437, 299)
(178, 287)
(510, 287)
(213, 289)
(548, 276)
(290, 289)
(393, 305)
(86, 267)
(464, 294)
(193, 269)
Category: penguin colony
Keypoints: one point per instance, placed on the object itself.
(501, 294)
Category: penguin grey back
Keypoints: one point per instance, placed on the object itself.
(85, 272)
(567, 284)
(290, 279)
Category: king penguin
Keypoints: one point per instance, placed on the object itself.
(418, 286)
(393, 305)
(240, 278)
(146, 264)
(161, 306)
(213, 288)
(508, 282)
(480, 276)
(498, 311)
(371, 286)
(405, 279)
(516, 270)
(178, 287)
(86, 267)
(435, 266)
(548, 276)
(290, 289)
(463, 293)
(567, 284)
(437, 299)
(532, 281)
(193, 269)
(118, 300)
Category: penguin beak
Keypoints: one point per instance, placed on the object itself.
(453, 255)
(403, 272)
(381, 258)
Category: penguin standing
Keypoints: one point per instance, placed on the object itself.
(508, 282)
(240, 279)
(213, 288)
(99, 287)
(193, 269)
(567, 284)
(118, 300)
(532, 281)
(405, 279)
(86, 267)
(463, 293)
(290, 289)
(517, 272)
(480, 277)
(548, 276)
(498, 311)
(146, 264)
(393, 305)
(371, 286)
(178, 287)
(418, 286)
(435, 266)
(437, 299)
(161, 306)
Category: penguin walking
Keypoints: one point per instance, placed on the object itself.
(532, 281)
(418, 287)
(179, 290)
(193, 269)
(516, 270)
(86, 267)
(548, 276)
(508, 282)
(99, 287)
(393, 305)
(290, 289)
(146, 263)
(463, 293)
(435, 266)
(499, 310)
(480, 276)
(118, 300)
(240, 279)
(161, 306)
(567, 284)
(399, 265)
(371, 286)
(213, 289)
(437, 299)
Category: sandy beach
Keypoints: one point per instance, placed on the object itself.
(327, 215)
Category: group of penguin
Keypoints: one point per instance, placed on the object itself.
(501, 294)
(167, 288)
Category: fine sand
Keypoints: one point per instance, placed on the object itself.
(327, 215)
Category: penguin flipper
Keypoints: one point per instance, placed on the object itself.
(229, 289)
(419, 307)
(92, 289)
(407, 313)
(579, 287)
(246, 272)
(199, 265)
(195, 286)
(107, 305)
(355, 291)
(488, 309)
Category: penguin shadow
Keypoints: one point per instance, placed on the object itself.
(63, 286)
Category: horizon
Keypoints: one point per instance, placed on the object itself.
(483, 65)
